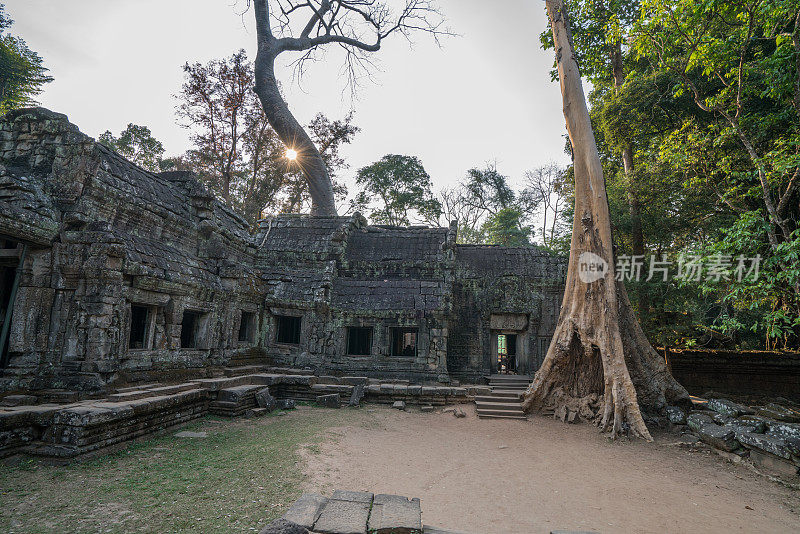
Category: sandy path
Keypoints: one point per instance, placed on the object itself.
(504, 476)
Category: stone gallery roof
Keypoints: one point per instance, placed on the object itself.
(397, 244)
(494, 260)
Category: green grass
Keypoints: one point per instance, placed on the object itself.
(245, 473)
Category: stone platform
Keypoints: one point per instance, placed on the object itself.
(353, 512)
(68, 430)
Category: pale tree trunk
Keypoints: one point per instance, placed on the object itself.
(599, 364)
(289, 130)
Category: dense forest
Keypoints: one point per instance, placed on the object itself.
(696, 110)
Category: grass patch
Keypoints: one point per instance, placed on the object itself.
(244, 474)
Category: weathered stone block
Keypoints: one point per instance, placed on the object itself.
(393, 514)
(306, 510)
(356, 395)
(399, 405)
(265, 400)
(676, 415)
(695, 421)
(347, 512)
(718, 436)
(729, 408)
(330, 401)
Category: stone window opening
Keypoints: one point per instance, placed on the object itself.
(287, 329)
(190, 329)
(247, 327)
(404, 342)
(359, 341)
(141, 326)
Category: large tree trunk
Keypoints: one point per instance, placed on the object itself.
(289, 130)
(599, 364)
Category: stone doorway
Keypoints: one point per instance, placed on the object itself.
(508, 332)
(10, 253)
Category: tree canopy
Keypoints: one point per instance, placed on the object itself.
(397, 191)
(22, 71)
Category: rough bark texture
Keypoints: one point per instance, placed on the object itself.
(289, 130)
(599, 363)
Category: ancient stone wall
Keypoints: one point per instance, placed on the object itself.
(130, 276)
(737, 372)
(498, 289)
(104, 236)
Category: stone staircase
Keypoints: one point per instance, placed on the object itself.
(505, 400)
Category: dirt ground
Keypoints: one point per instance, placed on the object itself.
(506, 476)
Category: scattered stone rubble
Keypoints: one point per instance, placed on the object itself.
(768, 435)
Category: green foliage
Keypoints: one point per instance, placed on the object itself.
(138, 145)
(236, 152)
(709, 109)
(22, 71)
(397, 190)
(505, 228)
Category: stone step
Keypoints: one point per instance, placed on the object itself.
(501, 416)
(510, 406)
(510, 378)
(508, 393)
(503, 392)
(498, 398)
(137, 388)
(499, 411)
(159, 391)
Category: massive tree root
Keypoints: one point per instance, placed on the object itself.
(600, 365)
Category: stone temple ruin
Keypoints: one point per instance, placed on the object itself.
(112, 277)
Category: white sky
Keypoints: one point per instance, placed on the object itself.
(485, 96)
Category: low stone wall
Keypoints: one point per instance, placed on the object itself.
(775, 374)
(66, 431)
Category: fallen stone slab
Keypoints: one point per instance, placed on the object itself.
(393, 514)
(330, 401)
(783, 430)
(347, 512)
(728, 407)
(287, 404)
(265, 400)
(696, 420)
(763, 442)
(778, 466)
(676, 415)
(357, 395)
(719, 437)
(187, 434)
(779, 413)
(399, 405)
(761, 424)
(306, 510)
(426, 408)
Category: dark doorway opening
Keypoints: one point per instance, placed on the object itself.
(288, 329)
(247, 327)
(11, 253)
(359, 341)
(140, 327)
(404, 342)
(189, 326)
(507, 353)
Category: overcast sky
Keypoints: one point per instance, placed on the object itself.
(484, 96)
